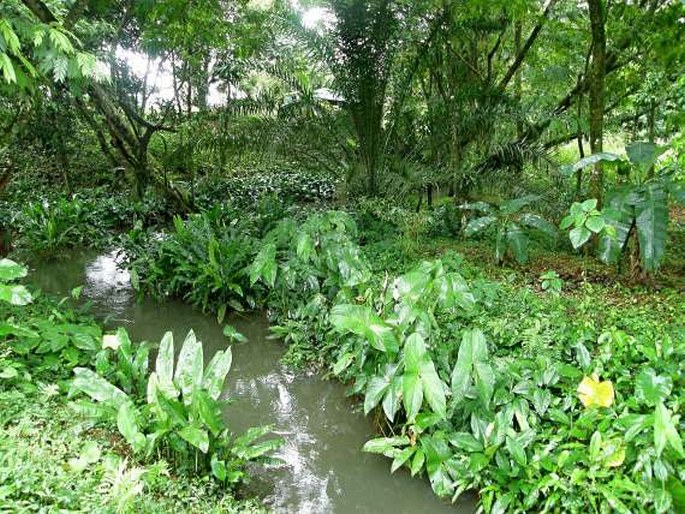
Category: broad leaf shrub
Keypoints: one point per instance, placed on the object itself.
(37, 340)
(637, 207)
(202, 260)
(550, 403)
(509, 225)
(91, 218)
(248, 188)
(178, 416)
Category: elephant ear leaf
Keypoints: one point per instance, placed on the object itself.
(164, 366)
(216, 372)
(99, 389)
(518, 242)
(592, 159)
(190, 366)
(643, 154)
(651, 213)
(10, 270)
(618, 215)
(478, 224)
(539, 223)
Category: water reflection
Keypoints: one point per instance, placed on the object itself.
(324, 470)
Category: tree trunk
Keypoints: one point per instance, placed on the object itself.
(596, 90)
(581, 150)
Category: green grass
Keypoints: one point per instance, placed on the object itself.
(53, 461)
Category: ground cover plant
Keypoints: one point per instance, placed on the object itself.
(49, 442)
(528, 397)
(470, 213)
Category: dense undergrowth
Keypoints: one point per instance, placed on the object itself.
(544, 387)
(539, 395)
(87, 427)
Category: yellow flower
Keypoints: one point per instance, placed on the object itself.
(593, 393)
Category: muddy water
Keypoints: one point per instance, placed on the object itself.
(324, 469)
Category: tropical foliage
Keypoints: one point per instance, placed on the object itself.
(351, 167)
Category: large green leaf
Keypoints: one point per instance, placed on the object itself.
(665, 431)
(254, 451)
(414, 352)
(484, 380)
(264, 265)
(643, 154)
(500, 244)
(15, 295)
(651, 211)
(208, 411)
(516, 451)
(433, 388)
(163, 376)
(305, 246)
(164, 365)
(196, 436)
(619, 215)
(374, 392)
(652, 388)
(10, 270)
(92, 384)
(188, 376)
(385, 445)
(412, 390)
(392, 398)
(592, 159)
(215, 374)
(518, 242)
(125, 346)
(478, 224)
(128, 426)
(461, 374)
(516, 204)
(579, 236)
(362, 321)
(402, 458)
(171, 412)
(465, 441)
(538, 223)
(472, 351)
(476, 206)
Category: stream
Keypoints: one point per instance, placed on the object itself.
(324, 469)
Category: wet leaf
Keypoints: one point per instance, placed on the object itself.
(665, 431)
(593, 393)
(196, 437)
(652, 388)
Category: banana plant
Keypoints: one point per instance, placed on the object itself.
(180, 414)
(511, 226)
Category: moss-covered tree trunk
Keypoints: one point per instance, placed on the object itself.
(596, 90)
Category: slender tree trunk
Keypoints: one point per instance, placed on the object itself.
(651, 118)
(581, 149)
(596, 89)
(5, 239)
(517, 79)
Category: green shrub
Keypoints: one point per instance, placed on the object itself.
(179, 415)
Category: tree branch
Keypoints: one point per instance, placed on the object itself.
(526, 47)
